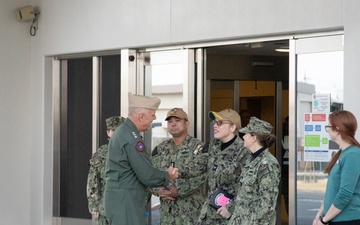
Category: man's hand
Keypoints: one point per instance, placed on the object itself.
(95, 214)
(173, 173)
(224, 212)
(173, 192)
(165, 194)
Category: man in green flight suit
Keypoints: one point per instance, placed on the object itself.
(129, 172)
(96, 178)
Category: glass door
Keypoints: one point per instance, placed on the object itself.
(170, 76)
(86, 91)
(253, 79)
(316, 89)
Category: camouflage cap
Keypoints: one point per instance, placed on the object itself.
(176, 112)
(227, 114)
(114, 122)
(257, 126)
(141, 101)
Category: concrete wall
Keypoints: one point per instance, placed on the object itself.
(15, 116)
(351, 56)
(88, 25)
(78, 26)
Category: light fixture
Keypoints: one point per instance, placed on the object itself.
(254, 45)
(28, 13)
(282, 50)
(262, 63)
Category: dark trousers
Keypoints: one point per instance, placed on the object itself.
(351, 222)
(285, 185)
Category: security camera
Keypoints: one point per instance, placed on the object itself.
(25, 13)
(131, 58)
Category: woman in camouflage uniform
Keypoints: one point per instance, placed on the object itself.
(258, 188)
(226, 153)
(96, 177)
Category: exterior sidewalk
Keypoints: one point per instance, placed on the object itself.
(311, 181)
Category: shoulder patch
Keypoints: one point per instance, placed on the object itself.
(197, 149)
(263, 171)
(140, 146)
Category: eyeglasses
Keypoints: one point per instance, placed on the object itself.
(220, 122)
(327, 128)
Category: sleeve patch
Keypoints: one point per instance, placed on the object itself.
(140, 146)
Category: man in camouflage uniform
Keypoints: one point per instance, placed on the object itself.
(181, 200)
(259, 181)
(226, 157)
(96, 177)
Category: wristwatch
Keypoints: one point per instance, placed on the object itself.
(322, 221)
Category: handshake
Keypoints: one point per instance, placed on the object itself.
(170, 192)
(173, 173)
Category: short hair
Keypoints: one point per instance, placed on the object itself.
(137, 110)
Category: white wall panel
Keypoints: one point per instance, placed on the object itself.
(206, 19)
(80, 26)
(352, 58)
(15, 116)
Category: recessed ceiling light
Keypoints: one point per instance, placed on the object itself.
(282, 50)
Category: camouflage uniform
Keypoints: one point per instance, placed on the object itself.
(257, 195)
(191, 162)
(224, 167)
(96, 183)
(259, 182)
(97, 178)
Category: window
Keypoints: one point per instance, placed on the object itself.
(79, 114)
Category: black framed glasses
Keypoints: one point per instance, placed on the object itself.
(220, 122)
(327, 128)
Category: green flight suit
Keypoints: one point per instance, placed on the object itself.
(129, 173)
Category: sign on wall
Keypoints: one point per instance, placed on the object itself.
(321, 103)
(316, 139)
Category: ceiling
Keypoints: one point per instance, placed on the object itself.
(255, 48)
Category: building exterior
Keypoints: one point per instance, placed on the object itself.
(202, 47)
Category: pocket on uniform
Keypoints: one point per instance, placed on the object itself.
(249, 179)
(113, 179)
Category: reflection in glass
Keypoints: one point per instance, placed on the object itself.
(323, 70)
(168, 72)
(317, 73)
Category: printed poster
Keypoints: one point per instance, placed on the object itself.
(316, 139)
(321, 103)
